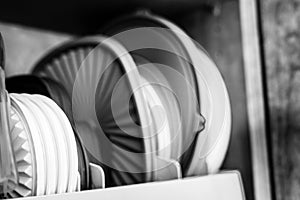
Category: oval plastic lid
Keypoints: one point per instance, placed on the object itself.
(109, 122)
(212, 143)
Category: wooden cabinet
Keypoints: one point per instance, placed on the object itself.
(280, 23)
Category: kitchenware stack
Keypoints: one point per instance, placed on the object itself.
(138, 102)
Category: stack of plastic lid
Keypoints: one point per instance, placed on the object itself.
(145, 102)
(30, 84)
(158, 96)
(44, 146)
(39, 153)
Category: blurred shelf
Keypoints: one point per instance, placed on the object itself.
(85, 16)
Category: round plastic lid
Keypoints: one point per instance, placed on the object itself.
(210, 148)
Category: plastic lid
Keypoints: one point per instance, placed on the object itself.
(148, 34)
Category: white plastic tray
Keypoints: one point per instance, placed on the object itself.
(223, 186)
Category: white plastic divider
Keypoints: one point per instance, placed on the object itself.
(223, 186)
